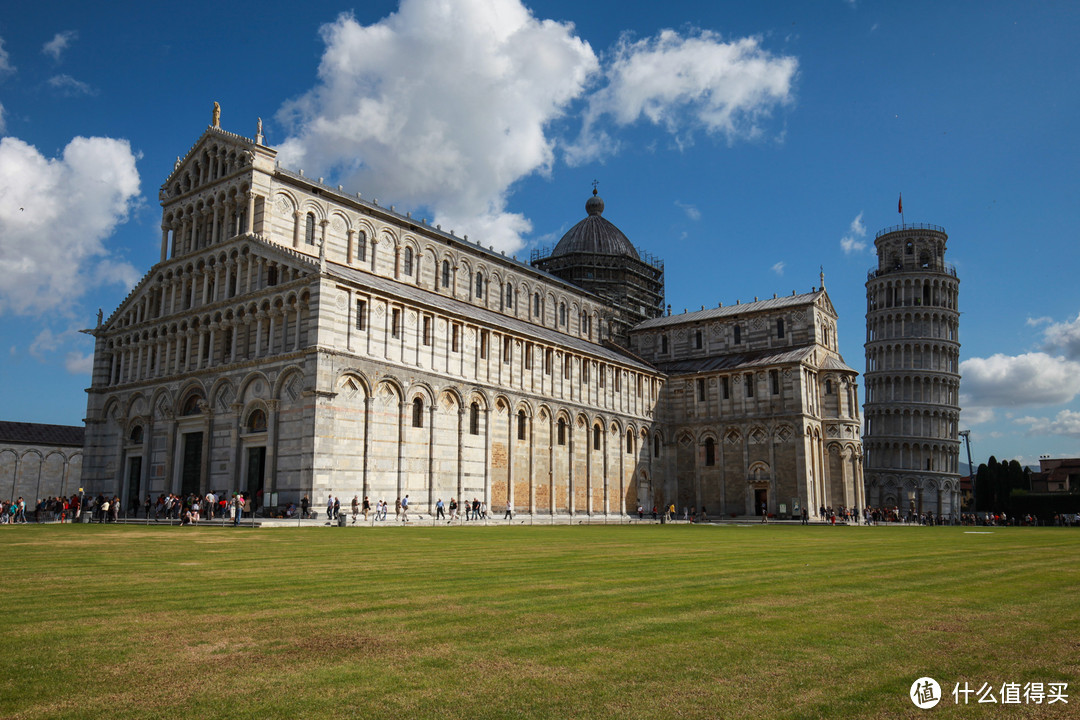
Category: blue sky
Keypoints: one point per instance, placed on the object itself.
(746, 143)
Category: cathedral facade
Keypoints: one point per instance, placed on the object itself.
(295, 339)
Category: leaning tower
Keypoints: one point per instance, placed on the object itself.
(911, 443)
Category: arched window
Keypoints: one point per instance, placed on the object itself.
(780, 328)
(698, 340)
(629, 441)
(446, 273)
(738, 335)
(656, 446)
(562, 314)
(536, 304)
(710, 452)
(509, 296)
(828, 387)
(256, 421)
(521, 425)
(406, 262)
(417, 413)
(562, 432)
(474, 419)
(361, 246)
(309, 229)
(596, 437)
(136, 435)
(479, 284)
(663, 344)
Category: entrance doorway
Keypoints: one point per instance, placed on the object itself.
(761, 498)
(191, 472)
(134, 473)
(256, 471)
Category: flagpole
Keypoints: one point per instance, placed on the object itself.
(900, 208)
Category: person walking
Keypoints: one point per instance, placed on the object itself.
(330, 507)
(367, 507)
(355, 507)
(439, 515)
(764, 514)
(509, 511)
(405, 509)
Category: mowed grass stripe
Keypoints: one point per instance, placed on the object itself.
(583, 621)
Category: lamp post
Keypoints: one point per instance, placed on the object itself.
(966, 434)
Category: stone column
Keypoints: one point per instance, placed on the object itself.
(511, 438)
(296, 229)
(250, 212)
(234, 443)
(460, 452)
(402, 411)
(367, 443)
(259, 317)
(164, 242)
(431, 456)
(271, 449)
(532, 467)
(271, 316)
(570, 467)
(487, 456)
(296, 342)
(604, 465)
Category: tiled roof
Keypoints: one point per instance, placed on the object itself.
(736, 361)
(731, 310)
(23, 433)
(835, 363)
(483, 316)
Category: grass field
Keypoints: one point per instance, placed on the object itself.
(557, 622)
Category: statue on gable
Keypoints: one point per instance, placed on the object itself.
(216, 119)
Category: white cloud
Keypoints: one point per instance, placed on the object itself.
(1063, 337)
(54, 215)
(55, 47)
(691, 211)
(444, 105)
(6, 68)
(1066, 423)
(851, 242)
(46, 342)
(1036, 322)
(1032, 379)
(79, 364)
(686, 84)
(70, 87)
(778, 268)
(976, 415)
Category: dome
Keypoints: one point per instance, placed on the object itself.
(594, 235)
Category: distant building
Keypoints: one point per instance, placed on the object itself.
(1056, 475)
(912, 377)
(39, 461)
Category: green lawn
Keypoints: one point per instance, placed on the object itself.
(556, 622)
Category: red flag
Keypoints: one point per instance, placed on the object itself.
(900, 205)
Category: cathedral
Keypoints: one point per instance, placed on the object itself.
(295, 339)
